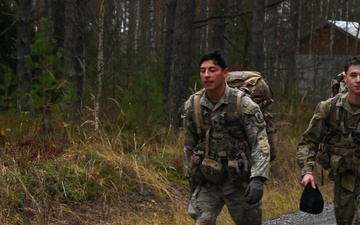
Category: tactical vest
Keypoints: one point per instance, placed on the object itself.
(342, 143)
(222, 143)
(343, 125)
(226, 139)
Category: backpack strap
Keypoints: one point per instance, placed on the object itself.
(207, 143)
(252, 81)
(197, 112)
(238, 102)
(197, 109)
(337, 119)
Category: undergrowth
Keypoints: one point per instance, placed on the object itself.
(77, 176)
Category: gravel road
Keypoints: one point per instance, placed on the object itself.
(326, 217)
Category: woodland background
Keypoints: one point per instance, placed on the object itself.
(144, 54)
(90, 92)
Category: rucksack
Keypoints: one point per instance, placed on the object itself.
(337, 115)
(338, 85)
(253, 83)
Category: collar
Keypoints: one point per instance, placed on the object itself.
(204, 101)
(344, 103)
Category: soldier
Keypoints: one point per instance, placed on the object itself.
(333, 139)
(226, 157)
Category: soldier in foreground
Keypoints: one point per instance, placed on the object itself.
(333, 136)
(226, 152)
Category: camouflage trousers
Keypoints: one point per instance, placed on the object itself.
(347, 202)
(208, 200)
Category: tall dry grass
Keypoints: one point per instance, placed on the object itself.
(77, 176)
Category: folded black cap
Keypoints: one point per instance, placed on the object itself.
(311, 200)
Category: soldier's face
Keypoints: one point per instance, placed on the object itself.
(212, 76)
(352, 79)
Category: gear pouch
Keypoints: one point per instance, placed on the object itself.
(324, 160)
(194, 171)
(235, 174)
(212, 170)
(355, 163)
(335, 163)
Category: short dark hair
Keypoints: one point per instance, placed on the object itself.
(354, 61)
(217, 56)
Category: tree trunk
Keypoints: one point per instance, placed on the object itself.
(200, 33)
(217, 23)
(170, 23)
(181, 57)
(100, 61)
(108, 44)
(132, 37)
(59, 23)
(258, 35)
(74, 49)
(292, 40)
(24, 40)
(270, 42)
(143, 30)
(152, 32)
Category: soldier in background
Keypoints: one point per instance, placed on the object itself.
(226, 158)
(333, 136)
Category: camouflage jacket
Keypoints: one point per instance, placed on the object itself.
(251, 122)
(331, 127)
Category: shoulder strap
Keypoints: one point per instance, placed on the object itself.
(197, 109)
(238, 101)
(197, 112)
(334, 109)
(207, 143)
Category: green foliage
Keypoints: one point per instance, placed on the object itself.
(144, 104)
(7, 56)
(7, 83)
(137, 101)
(46, 66)
(7, 36)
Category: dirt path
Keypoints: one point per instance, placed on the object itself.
(327, 217)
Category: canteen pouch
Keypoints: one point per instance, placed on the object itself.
(236, 172)
(335, 163)
(195, 175)
(323, 159)
(212, 170)
(355, 163)
(340, 164)
(348, 180)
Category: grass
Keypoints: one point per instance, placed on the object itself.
(73, 175)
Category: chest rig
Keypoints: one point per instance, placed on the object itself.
(222, 136)
(344, 127)
(342, 143)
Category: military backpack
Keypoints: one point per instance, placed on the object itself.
(255, 85)
(337, 85)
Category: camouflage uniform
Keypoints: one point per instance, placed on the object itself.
(208, 198)
(332, 139)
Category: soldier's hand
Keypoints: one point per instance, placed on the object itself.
(255, 190)
(308, 178)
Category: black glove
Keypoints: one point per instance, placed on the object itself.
(255, 190)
